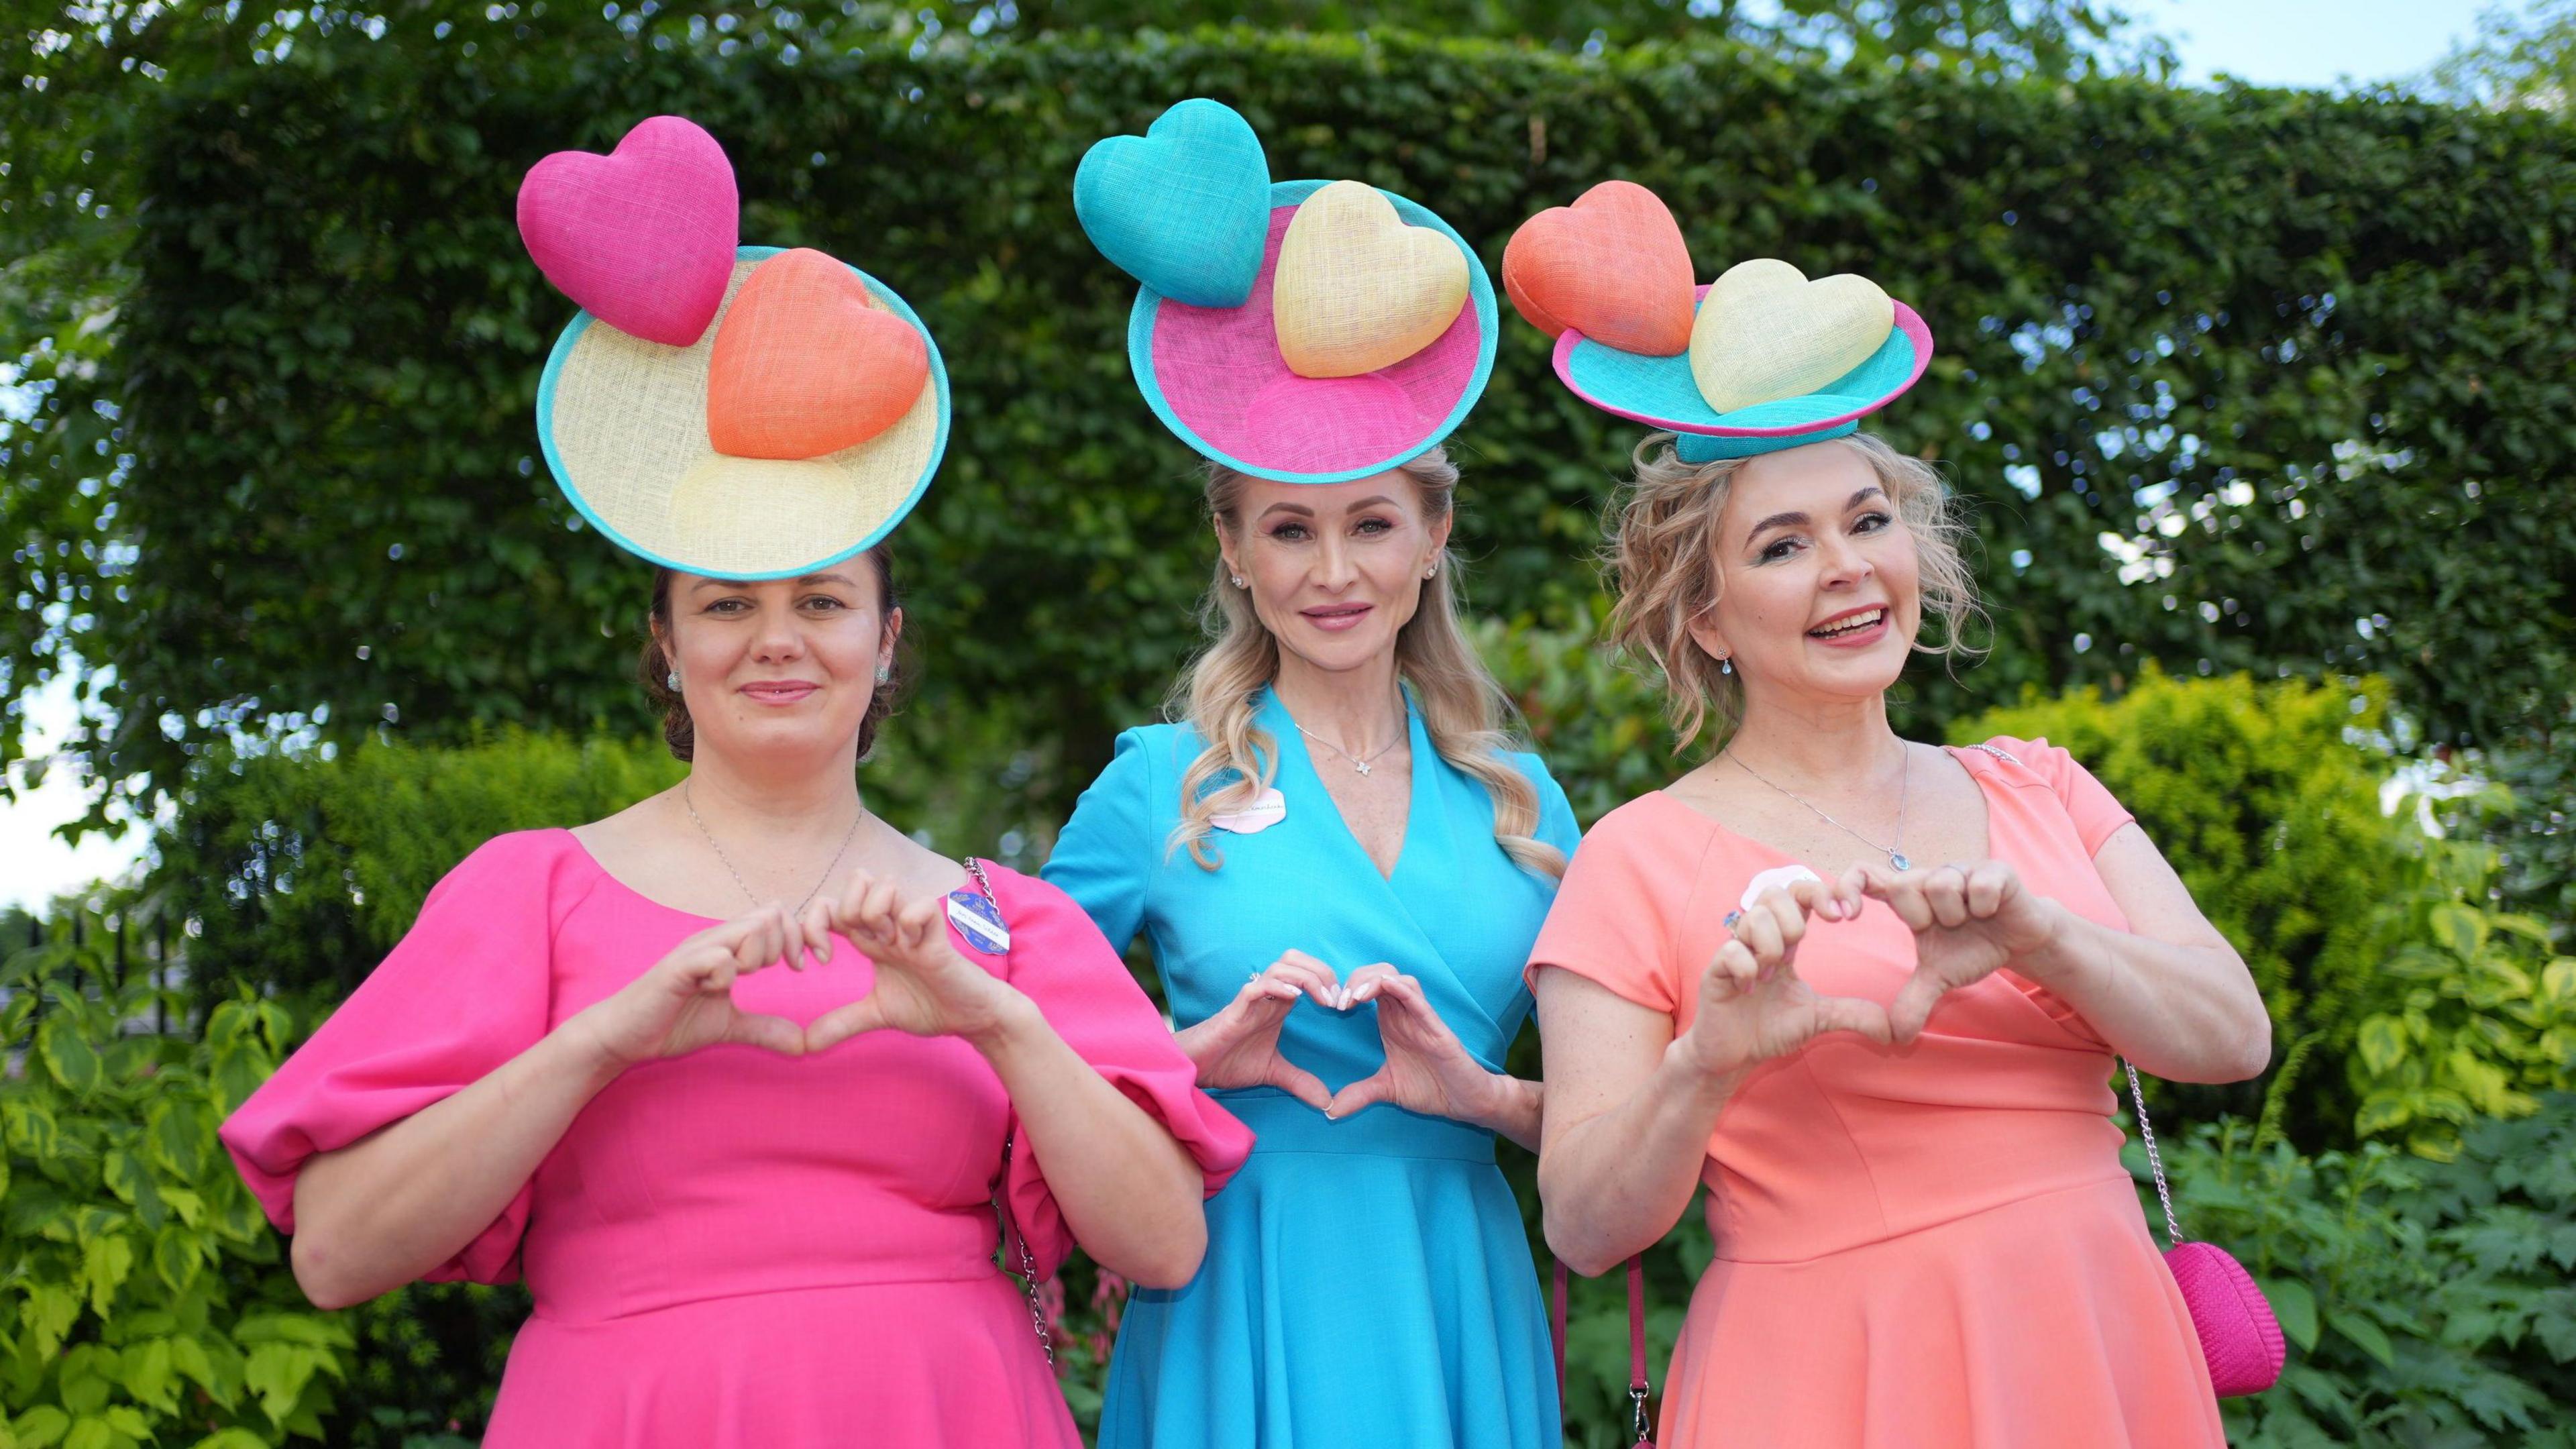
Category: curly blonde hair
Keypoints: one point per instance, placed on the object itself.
(1663, 554)
(1463, 708)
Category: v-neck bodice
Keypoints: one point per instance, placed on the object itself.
(1455, 911)
(1295, 754)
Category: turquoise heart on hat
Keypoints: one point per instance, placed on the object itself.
(1184, 208)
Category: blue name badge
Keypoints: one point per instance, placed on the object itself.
(979, 921)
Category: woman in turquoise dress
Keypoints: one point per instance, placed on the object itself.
(1340, 866)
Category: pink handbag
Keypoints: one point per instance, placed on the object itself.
(2238, 1334)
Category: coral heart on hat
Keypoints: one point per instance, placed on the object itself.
(807, 364)
(1184, 208)
(1613, 266)
(642, 238)
(1766, 333)
(1357, 289)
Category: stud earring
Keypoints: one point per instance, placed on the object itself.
(1431, 572)
(1238, 579)
(672, 680)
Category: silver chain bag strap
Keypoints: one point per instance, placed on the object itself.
(1011, 1236)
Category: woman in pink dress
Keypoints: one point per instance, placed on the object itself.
(739, 1077)
(1863, 994)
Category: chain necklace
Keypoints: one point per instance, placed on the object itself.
(686, 804)
(1893, 851)
(1360, 763)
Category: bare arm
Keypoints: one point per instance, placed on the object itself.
(391, 1206)
(2169, 993)
(1630, 1105)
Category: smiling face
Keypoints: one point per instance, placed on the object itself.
(779, 669)
(1333, 572)
(1820, 579)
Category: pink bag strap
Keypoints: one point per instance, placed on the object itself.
(1639, 1391)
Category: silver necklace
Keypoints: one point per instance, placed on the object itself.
(1360, 763)
(1893, 851)
(688, 805)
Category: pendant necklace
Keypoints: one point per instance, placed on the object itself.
(1893, 851)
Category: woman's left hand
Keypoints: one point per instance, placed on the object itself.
(1427, 1070)
(924, 986)
(1969, 921)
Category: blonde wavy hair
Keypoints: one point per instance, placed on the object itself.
(1463, 709)
(1663, 555)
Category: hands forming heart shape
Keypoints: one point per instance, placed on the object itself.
(1427, 1069)
(1968, 922)
(924, 985)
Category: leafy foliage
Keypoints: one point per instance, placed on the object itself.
(2477, 1013)
(147, 1300)
(2427, 1304)
(2246, 381)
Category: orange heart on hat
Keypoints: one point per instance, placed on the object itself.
(807, 363)
(1613, 266)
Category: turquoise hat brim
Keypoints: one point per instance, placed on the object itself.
(836, 550)
(1660, 392)
(1247, 456)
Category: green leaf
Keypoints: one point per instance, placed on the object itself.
(2368, 1336)
(30, 1128)
(2382, 1041)
(176, 1257)
(105, 1263)
(68, 1055)
(50, 1312)
(2296, 1307)
(149, 1378)
(277, 1373)
(2462, 931)
(89, 1432)
(179, 1139)
(41, 1426)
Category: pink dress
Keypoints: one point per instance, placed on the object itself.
(1929, 1247)
(734, 1248)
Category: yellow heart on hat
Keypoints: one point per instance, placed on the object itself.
(1765, 332)
(1357, 289)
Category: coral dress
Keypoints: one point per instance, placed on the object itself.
(1920, 1247)
(734, 1248)
(1368, 1282)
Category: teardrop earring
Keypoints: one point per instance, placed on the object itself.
(1725, 665)
(885, 673)
(672, 680)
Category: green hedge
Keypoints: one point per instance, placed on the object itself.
(2300, 359)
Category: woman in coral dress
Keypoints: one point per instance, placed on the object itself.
(1863, 994)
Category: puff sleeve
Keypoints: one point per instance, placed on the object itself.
(1059, 959)
(468, 987)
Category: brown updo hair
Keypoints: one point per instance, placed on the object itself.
(679, 732)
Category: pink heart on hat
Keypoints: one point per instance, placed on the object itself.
(642, 238)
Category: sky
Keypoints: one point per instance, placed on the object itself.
(2317, 43)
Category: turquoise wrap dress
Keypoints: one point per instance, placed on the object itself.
(1368, 1281)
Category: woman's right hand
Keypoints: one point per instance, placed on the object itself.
(1752, 1006)
(1239, 1046)
(686, 1001)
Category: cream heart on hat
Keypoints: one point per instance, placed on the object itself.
(1356, 289)
(1764, 332)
